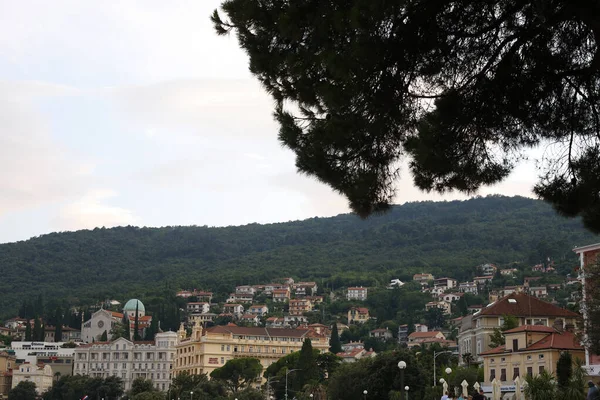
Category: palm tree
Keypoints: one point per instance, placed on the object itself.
(540, 387)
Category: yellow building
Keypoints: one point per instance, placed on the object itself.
(7, 363)
(358, 314)
(529, 350)
(208, 349)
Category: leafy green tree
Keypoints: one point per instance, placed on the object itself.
(435, 318)
(139, 386)
(149, 396)
(104, 336)
(238, 373)
(184, 383)
(497, 337)
(463, 91)
(24, 390)
(335, 346)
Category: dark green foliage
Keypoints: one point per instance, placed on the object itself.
(435, 318)
(592, 323)
(24, 390)
(564, 369)
(38, 330)
(378, 376)
(58, 321)
(497, 337)
(28, 333)
(136, 324)
(308, 371)
(152, 330)
(104, 336)
(464, 90)
(335, 346)
(141, 385)
(77, 386)
(238, 373)
(152, 263)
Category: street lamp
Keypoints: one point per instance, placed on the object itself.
(402, 367)
(287, 372)
(365, 393)
(406, 389)
(191, 395)
(448, 370)
(435, 355)
(310, 395)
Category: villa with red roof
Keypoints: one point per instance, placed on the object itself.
(529, 350)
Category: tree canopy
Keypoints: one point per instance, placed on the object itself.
(461, 88)
(24, 390)
(238, 373)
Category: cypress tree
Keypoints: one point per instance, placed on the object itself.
(104, 337)
(335, 346)
(307, 366)
(38, 329)
(564, 369)
(126, 328)
(59, 322)
(28, 336)
(136, 324)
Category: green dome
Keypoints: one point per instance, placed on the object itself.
(131, 304)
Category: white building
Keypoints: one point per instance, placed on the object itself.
(101, 320)
(28, 351)
(468, 287)
(199, 307)
(357, 293)
(129, 360)
(446, 283)
(488, 269)
(41, 375)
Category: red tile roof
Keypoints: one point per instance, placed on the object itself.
(361, 310)
(424, 335)
(497, 350)
(523, 305)
(559, 341)
(251, 331)
(531, 328)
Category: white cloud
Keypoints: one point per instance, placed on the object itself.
(34, 168)
(91, 211)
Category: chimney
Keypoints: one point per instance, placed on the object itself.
(558, 324)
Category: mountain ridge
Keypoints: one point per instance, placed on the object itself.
(96, 264)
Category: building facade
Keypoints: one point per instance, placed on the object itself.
(589, 255)
(358, 315)
(40, 374)
(208, 349)
(100, 321)
(475, 330)
(357, 293)
(529, 350)
(7, 364)
(129, 360)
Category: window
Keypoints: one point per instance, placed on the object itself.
(124, 366)
(528, 358)
(115, 365)
(492, 374)
(541, 357)
(503, 374)
(515, 345)
(117, 347)
(530, 371)
(541, 369)
(222, 347)
(515, 373)
(222, 360)
(503, 359)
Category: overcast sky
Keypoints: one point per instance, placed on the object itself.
(135, 112)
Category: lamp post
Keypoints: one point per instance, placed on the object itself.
(365, 393)
(435, 355)
(406, 389)
(191, 395)
(287, 372)
(402, 367)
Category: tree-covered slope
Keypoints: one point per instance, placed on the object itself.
(440, 237)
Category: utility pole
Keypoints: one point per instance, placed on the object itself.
(287, 372)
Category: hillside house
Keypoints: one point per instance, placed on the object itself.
(487, 269)
(300, 306)
(482, 280)
(381, 334)
(538, 291)
(358, 315)
(302, 289)
(245, 289)
(468, 287)
(442, 305)
(509, 271)
(240, 298)
(198, 307)
(237, 310)
(446, 283)
(281, 295)
(422, 277)
(357, 293)
(258, 309)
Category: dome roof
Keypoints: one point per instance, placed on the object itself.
(131, 305)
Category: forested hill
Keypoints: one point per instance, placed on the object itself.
(439, 237)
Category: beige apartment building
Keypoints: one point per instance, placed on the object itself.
(7, 363)
(529, 350)
(208, 349)
(475, 330)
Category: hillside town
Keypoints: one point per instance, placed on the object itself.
(511, 331)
